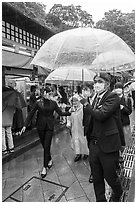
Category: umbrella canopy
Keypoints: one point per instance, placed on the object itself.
(66, 75)
(114, 61)
(11, 97)
(79, 47)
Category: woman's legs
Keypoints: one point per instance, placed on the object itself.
(9, 138)
(46, 138)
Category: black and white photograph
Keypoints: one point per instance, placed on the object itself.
(68, 101)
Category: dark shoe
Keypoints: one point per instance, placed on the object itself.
(44, 173)
(50, 164)
(77, 158)
(85, 156)
(90, 179)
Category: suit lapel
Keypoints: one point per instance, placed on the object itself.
(103, 98)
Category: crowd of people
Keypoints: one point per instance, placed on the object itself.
(97, 117)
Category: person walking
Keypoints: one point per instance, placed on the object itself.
(45, 124)
(125, 110)
(105, 140)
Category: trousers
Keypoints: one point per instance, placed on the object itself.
(7, 135)
(104, 166)
(46, 139)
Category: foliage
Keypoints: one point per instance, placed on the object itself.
(122, 24)
(33, 10)
(69, 17)
(62, 18)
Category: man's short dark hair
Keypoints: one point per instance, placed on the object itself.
(104, 76)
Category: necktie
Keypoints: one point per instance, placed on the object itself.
(95, 102)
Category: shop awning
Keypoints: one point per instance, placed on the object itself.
(19, 64)
(16, 60)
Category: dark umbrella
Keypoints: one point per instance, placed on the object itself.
(11, 97)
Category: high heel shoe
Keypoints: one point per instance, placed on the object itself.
(77, 158)
(50, 164)
(44, 173)
(90, 179)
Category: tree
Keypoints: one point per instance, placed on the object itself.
(33, 10)
(69, 16)
(59, 17)
(122, 24)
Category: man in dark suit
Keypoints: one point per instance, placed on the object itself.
(45, 124)
(104, 141)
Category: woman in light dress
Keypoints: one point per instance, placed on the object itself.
(75, 122)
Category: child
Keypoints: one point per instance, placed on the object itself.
(78, 141)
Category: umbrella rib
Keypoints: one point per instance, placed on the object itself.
(59, 50)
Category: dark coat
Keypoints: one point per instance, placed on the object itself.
(18, 121)
(32, 100)
(103, 125)
(87, 120)
(126, 111)
(45, 118)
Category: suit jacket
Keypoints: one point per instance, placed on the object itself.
(87, 121)
(45, 118)
(103, 125)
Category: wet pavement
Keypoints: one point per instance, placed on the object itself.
(64, 172)
(66, 181)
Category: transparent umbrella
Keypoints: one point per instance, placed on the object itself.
(114, 61)
(79, 47)
(70, 75)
